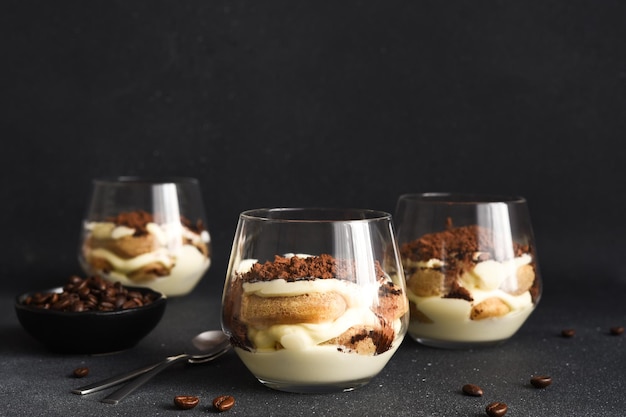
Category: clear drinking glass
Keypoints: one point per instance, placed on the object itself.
(314, 299)
(148, 232)
(470, 264)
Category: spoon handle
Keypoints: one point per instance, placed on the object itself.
(114, 380)
(121, 393)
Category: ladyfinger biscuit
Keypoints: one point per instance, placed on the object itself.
(305, 308)
(490, 307)
(127, 247)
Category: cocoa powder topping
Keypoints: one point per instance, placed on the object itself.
(139, 219)
(460, 243)
(135, 220)
(302, 268)
(461, 248)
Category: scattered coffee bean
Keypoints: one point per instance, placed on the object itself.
(568, 332)
(541, 381)
(472, 390)
(616, 330)
(223, 402)
(186, 402)
(90, 294)
(496, 409)
(81, 372)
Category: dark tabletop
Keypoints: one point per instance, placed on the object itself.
(588, 371)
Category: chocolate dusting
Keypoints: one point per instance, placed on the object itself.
(457, 291)
(381, 338)
(460, 243)
(139, 219)
(458, 246)
(198, 227)
(298, 268)
(231, 316)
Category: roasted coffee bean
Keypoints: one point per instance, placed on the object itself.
(186, 402)
(129, 304)
(81, 372)
(223, 402)
(496, 409)
(40, 298)
(90, 294)
(106, 299)
(83, 292)
(120, 300)
(97, 283)
(616, 330)
(541, 381)
(472, 390)
(568, 332)
(134, 294)
(61, 304)
(106, 306)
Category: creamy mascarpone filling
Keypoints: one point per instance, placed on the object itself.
(359, 300)
(317, 366)
(186, 263)
(486, 275)
(451, 316)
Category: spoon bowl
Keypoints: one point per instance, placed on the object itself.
(205, 343)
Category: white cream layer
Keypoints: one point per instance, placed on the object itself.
(190, 266)
(318, 365)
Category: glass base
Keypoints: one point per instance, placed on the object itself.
(450, 344)
(326, 388)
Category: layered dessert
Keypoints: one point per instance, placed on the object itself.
(134, 249)
(305, 320)
(464, 285)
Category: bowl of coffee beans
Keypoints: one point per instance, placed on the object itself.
(90, 315)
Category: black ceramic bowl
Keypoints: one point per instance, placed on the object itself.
(90, 332)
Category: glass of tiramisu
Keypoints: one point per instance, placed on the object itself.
(470, 264)
(147, 232)
(314, 299)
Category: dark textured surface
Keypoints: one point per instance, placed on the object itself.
(588, 371)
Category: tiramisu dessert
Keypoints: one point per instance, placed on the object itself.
(304, 320)
(464, 287)
(135, 250)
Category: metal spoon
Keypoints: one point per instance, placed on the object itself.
(211, 345)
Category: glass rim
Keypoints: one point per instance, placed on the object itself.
(314, 215)
(462, 198)
(144, 180)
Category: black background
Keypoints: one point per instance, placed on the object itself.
(289, 103)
